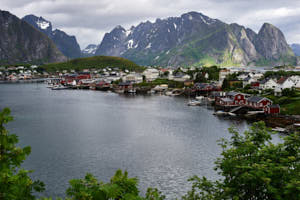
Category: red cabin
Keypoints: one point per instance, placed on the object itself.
(272, 109)
(258, 102)
(238, 98)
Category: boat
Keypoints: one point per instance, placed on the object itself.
(194, 103)
(200, 98)
(232, 114)
(220, 112)
(131, 91)
(59, 87)
(279, 129)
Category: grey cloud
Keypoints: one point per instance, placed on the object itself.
(90, 19)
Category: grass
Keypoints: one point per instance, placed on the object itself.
(288, 105)
(96, 62)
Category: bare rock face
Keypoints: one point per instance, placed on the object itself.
(67, 44)
(271, 44)
(195, 39)
(21, 43)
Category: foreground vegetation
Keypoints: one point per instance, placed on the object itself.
(96, 62)
(251, 167)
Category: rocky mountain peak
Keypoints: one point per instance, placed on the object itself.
(66, 44)
(33, 46)
(194, 38)
(271, 42)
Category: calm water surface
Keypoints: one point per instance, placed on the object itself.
(158, 139)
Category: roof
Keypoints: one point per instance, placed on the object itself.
(273, 106)
(264, 81)
(233, 93)
(124, 84)
(247, 79)
(256, 99)
(226, 100)
(282, 80)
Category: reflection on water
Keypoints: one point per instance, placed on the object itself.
(156, 138)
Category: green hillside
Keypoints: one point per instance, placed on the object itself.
(97, 62)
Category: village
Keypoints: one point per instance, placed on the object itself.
(231, 91)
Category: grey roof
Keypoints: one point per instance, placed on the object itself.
(255, 99)
(264, 81)
(247, 79)
(226, 100)
(274, 106)
(232, 93)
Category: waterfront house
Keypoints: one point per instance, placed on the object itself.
(237, 97)
(225, 102)
(133, 77)
(272, 109)
(257, 102)
(125, 86)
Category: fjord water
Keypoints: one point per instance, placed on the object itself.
(158, 139)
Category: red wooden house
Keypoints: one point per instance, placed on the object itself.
(258, 102)
(238, 98)
(272, 109)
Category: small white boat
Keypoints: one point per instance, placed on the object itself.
(279, 129)
(200, 98)
(59, 87)
(232, 114)
(132, 91)
(220, 112)
(194, 103)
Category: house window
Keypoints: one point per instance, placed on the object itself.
(239, 97)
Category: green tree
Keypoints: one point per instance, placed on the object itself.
(15, 182)
(253, 167)
(120, 187)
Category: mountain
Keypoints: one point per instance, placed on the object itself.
(296, 49)
(96, 62)
(65, 43)
(89, 51)
(21, 43)
(196, 39)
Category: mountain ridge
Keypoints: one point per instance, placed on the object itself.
(193, 39)
(67, 44)
(21, 43)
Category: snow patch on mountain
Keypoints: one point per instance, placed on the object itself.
(43, 24)
(130, 43)
(148, 46)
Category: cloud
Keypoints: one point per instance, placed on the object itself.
(88, 20)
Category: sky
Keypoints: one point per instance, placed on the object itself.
(89, 20)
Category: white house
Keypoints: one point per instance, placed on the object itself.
(242, 76)
(223, 73)
(151, 74)
(257, 75)
(248, 81)
(181, 77)
(285, 83)
(267, 84)
(133, 77)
